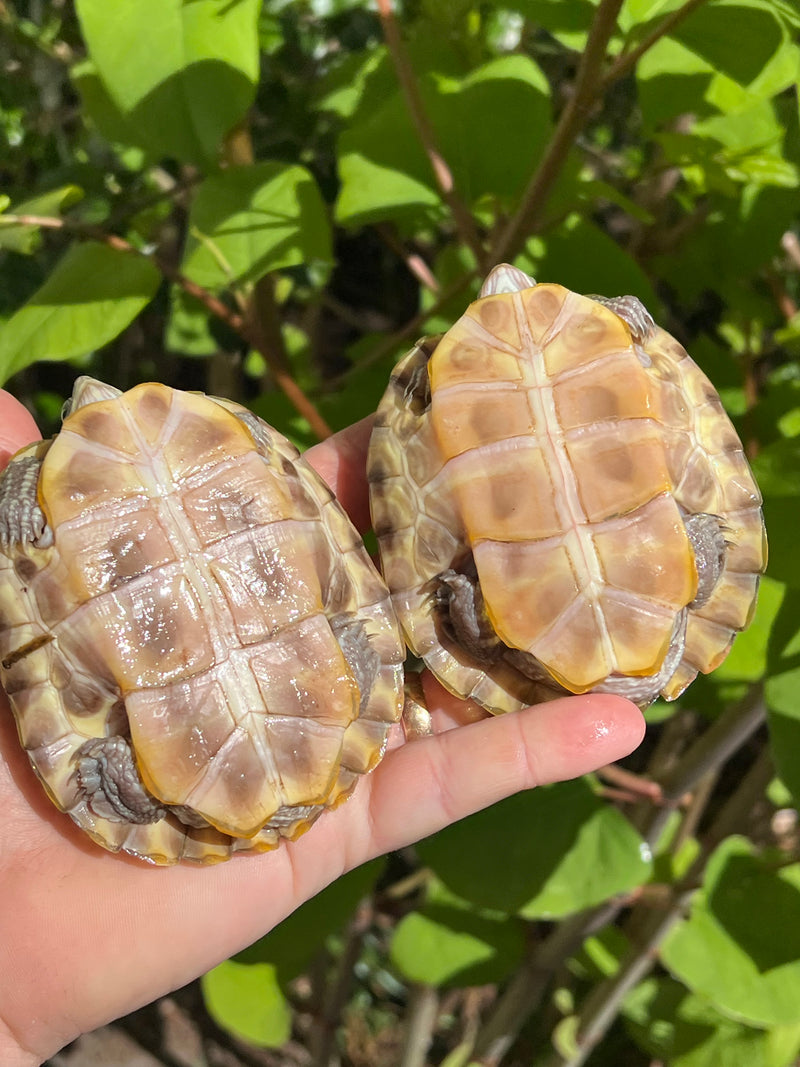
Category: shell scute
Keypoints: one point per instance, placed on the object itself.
(617, 473)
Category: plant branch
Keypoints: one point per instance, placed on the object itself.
(708, 753)
(527, 988)
(574, 117)
(237, 322)
(628, 60)
(603, 1004)
(421, 1020)
(411, 329)
(427, 136)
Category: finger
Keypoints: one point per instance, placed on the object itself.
(425, 785)
(17, 427)
(342, 462)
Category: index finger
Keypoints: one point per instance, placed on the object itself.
(17, 427)
(342, 462)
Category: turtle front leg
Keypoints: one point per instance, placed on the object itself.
(109, 781)
(22, 521)
(632, 312)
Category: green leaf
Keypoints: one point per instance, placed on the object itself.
(188, 328)
(181, 74)
(112, 124)
(451, 942)
(740, 947)
(782, 689)
(672, 81)
(560, 849)
(247, 221)
(93, 293)
(246, 1000)
(385, 172)
(294, 943)
(716, 32)
(684, 1030)
(26, 239)
(602, 267)
(777, 468)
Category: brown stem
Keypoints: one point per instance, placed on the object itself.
(411, 329)
(603, 1004)
(574, 117)
(728, 733)
(421, 1019)
(643, 788)
(322, 1038)
(628, 60)
(216, 307)
(427, 136)
(415, 264)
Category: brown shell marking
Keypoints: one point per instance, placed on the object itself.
(200, 576)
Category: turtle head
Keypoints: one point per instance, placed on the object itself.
(506, 279)
(88, 391)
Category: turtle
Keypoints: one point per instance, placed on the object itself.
(200, 655)
(561, 503)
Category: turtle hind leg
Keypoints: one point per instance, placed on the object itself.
(462, 610)
(109, 781)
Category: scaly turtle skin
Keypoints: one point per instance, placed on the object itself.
(561, 502)
(198, 651)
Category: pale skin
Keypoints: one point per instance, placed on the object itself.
(86, 937)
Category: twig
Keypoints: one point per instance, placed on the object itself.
(411, 329)
(427, 136)
(643, 788)
(527, 988)
(715, 747)
(421, 1019)
(603, 1004)
(628, 60)
(791, 246)
(415, 264)
(216, 307)
(322, 1037)
(573, 118)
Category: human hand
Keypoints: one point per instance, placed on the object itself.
(86, 937)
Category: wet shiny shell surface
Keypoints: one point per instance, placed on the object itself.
(191, 601)
(562, 456)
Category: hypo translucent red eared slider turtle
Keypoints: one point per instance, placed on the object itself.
(199, 653)
(561, 502)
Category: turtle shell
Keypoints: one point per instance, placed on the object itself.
(188, 617)
(563, 462)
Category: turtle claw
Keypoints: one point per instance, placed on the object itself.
(417, 722)
(22, 521)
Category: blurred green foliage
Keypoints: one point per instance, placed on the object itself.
(224, 192)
